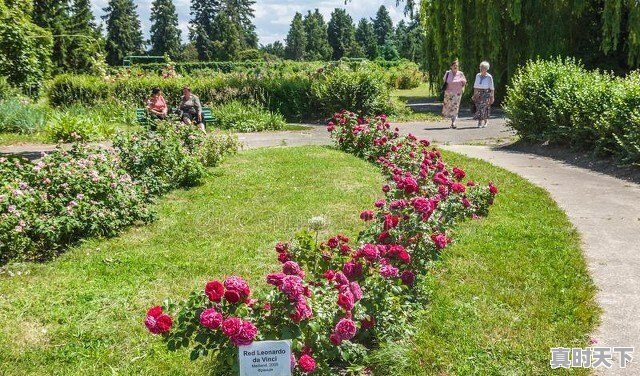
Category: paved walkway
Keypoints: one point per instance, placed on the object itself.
(606, 212)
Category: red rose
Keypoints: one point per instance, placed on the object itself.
(366, 215)
(214, 290)
(158, 322)
(306, 363)
(408, 277)
(346, 329)
(210, 318)
(283, 257)
(368, 322)
(493, 189)
(246, 336)
(335, 339)
(345, 300)
(275, 279)
(232, 296)
(154, 311)
(458, 188)
(333, 242)
(232, 326)
(329, 274)
(390, 221)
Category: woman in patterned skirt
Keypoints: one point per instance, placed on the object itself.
(456, 82)
(483, 94)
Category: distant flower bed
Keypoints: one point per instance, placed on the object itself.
(89, 191)
(340, 298)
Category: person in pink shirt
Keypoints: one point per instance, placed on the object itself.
(456, 81)
(157, 105)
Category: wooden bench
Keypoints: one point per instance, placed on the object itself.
(142, 117)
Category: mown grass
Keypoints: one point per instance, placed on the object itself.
(82, 313)
(7, 139)
(511, 287)
(513, 284)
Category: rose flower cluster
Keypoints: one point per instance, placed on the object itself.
(336, 300)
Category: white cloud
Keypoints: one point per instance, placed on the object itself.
(272, 17)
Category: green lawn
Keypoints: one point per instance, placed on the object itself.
(512, 286)
(419, 94)
(17, 139)
(82, 313)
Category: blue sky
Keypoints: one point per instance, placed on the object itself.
(272, 16)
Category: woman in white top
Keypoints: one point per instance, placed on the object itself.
(483, 94)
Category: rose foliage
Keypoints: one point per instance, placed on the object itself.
(87, 191)
(338, 299)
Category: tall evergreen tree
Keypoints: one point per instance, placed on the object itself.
(165, 34)
(84, 47)
(220, 24)
(317, 46)
(124, 36)
(383, 26)
(367, 39)
(296, 39)
(241, 14)
(53, 15)
(342, 35)
(410, 40)
(203, 13)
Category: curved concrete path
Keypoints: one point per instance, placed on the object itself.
(606, 212)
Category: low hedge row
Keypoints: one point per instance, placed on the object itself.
(361, 86)
(562, 102)
(339, 299)
(91, 191)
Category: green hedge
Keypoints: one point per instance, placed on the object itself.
(302, 95)
(561, 102)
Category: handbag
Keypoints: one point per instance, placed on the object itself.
(444, 85)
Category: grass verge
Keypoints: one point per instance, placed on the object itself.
(512, 286)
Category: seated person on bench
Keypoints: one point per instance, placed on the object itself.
(191, 108)
(157, 106)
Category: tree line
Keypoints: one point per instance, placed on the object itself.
(311, 38)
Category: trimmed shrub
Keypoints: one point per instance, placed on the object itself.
(562, 102)
(241, 117)
(363, 89)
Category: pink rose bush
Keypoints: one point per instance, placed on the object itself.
(338, 299)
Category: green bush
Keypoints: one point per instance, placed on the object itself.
(362, 89)
(405, 75)
(20, 116)
(283, 87)
(64, 197)
(561, 102)
(242, 117)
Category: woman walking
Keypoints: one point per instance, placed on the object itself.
(483, 94)
(455, 81)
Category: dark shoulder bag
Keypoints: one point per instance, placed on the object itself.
(444, 85)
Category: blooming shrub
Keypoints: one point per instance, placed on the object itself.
(95, 191)
(65, 196)
(338, 299)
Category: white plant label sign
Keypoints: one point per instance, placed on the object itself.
(265, 358)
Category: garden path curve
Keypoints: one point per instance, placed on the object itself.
(606, 212)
